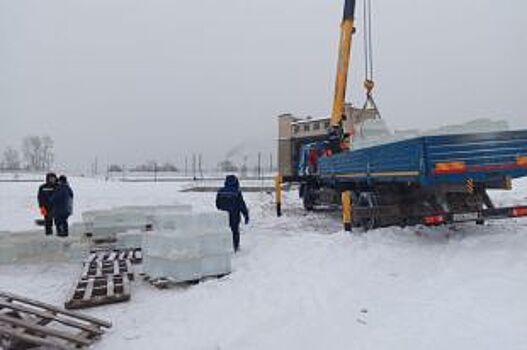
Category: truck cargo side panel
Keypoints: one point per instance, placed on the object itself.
(392, 162)
(486, 156)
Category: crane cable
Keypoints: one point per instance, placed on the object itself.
(368, 50)
(369, 83)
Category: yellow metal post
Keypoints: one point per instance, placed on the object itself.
(278, 194)
(347, 211)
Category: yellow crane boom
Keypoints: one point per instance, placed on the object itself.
(346, 34)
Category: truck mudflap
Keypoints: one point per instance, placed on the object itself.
(479, 216)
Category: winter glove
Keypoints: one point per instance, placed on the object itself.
(246, 220)
(44, 211)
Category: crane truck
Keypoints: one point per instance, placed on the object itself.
(428, 180)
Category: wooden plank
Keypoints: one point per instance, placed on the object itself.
(110, 287)
(89, 290)
(86, 269)
(51, 316)
(92, 258)
(112, 256)
(99, 268)
(56, 309)
(116, 267)
(139, 255)
(122, 255)
(126, 285)
(95, 278)
(33, 339)
(44, 330)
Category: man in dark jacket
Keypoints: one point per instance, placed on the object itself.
(62, 206)
(45, 191)
(229, 198)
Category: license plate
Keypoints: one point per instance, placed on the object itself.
(466, 217)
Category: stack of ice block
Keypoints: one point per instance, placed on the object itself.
(188, 247)
(35, 247)
(129, 240)
(157, 209)
(106, 224)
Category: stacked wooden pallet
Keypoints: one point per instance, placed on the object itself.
(105, 278)
(27, 323)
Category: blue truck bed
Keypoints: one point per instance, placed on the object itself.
(431, 160)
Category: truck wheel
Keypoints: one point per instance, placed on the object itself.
(308, 199)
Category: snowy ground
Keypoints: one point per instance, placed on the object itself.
(301, 283)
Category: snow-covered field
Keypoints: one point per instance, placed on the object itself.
(299, 282)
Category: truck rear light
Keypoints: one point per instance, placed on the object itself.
(522, 161)
(450, 168)
(517, 212)
(434, 220)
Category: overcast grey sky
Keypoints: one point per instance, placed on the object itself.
(131, 80)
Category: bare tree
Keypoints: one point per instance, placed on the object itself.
(48, 156)
(31, 149)
(168, 167)
(227, 166)
(115, 168)
(38, 152)
(11, 159)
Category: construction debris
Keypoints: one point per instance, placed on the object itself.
(27, 323)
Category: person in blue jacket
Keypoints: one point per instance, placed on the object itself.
(45, 192)
(229, 198)
(62, 206)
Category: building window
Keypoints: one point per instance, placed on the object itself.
(326, 125)
(306, 127)
(316, 126)
(296, 129)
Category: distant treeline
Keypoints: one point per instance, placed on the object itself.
(35, 154)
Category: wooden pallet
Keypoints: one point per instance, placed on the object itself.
(101, 268)
(27, 323)
(135, 255)
(99, 290)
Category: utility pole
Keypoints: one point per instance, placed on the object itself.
(259, 165)
(186, 166)
(193, 166)
(200, 169)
